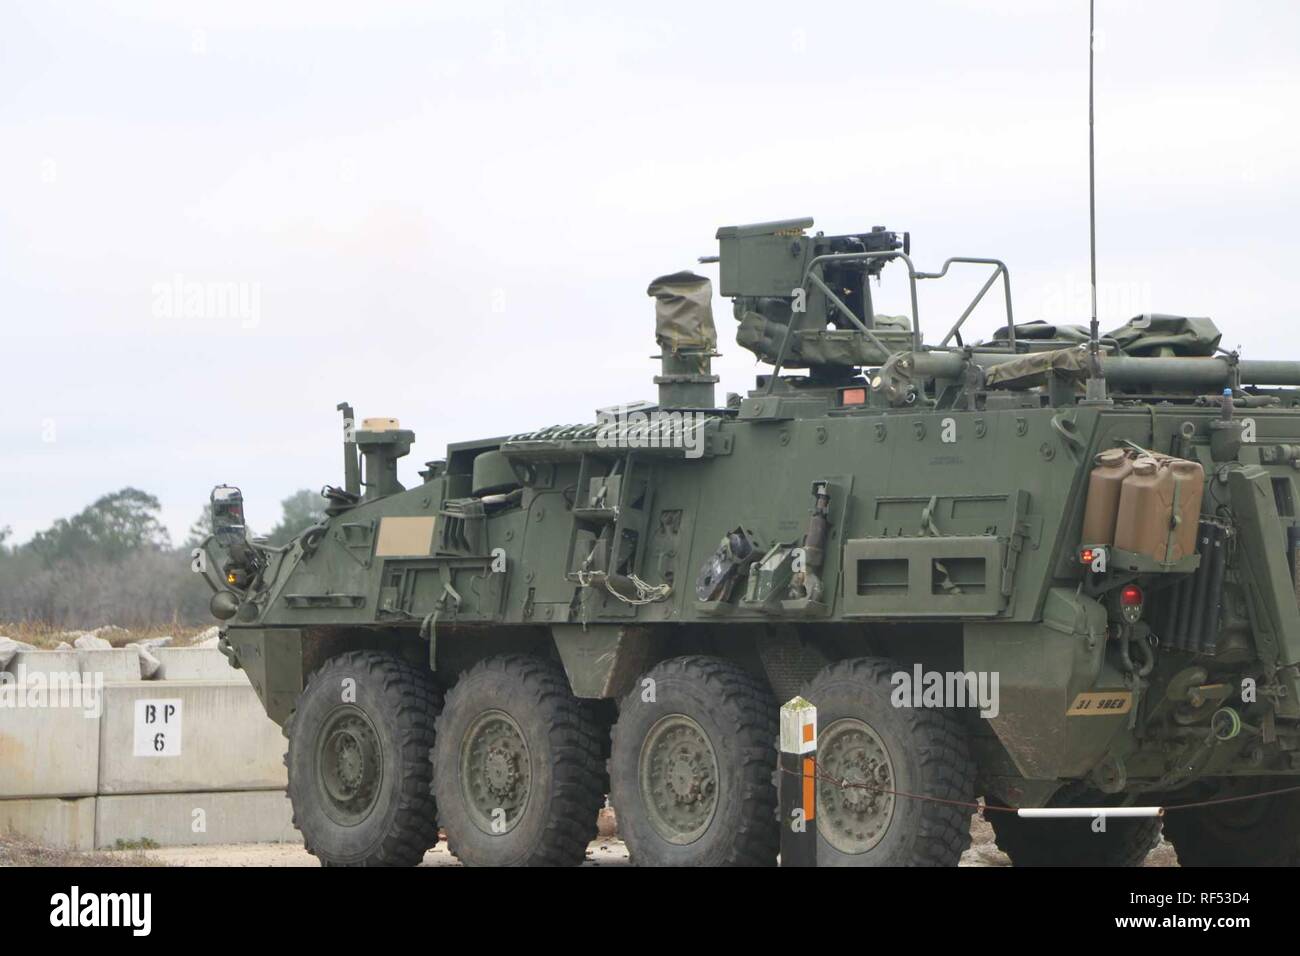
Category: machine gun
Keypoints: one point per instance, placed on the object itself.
(789, 288)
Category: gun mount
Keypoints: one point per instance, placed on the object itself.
(805, 301)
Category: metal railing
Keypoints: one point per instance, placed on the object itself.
(812, 279)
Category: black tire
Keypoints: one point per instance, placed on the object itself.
(1264, 831)
(914, 752)
(729, 801)
(1125, 842)
(359, 772)
(534, 750)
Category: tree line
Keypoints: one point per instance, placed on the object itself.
(114, 563)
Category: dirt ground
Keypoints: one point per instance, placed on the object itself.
(17, 851)
(606, 851)
(600, 853)
(984, 852)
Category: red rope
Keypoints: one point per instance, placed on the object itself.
(984, 807)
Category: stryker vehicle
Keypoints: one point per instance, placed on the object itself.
(1100, 530)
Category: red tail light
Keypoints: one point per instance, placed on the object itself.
(1131, 600)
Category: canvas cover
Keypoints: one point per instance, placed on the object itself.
(762, 336)
(1168, 335)
(1036, 368)
(684, 312)
(1043, 330)
(1143, 335)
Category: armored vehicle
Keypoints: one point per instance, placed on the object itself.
(1053, 568)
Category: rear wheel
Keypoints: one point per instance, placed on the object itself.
(691, 766)
(358, 761)
(1260, 831)
(517, 766)
(893, 782)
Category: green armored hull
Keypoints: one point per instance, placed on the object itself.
(896, 531)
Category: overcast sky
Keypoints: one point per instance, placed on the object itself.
(449, 213)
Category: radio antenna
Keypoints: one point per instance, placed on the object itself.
(1096, 382)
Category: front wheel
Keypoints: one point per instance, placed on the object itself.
(358, 761)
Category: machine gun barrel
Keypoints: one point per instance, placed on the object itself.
(1126, 370)
(1196, 372)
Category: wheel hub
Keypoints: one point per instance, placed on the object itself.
(352, 762)
(349, 764)
(688, 778)
(495, 776)
(855, 803)
(500, 771)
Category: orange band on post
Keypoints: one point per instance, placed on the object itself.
(809, 789)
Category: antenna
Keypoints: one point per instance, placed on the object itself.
(1096, 382)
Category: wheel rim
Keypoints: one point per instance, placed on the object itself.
(855, 817)
(678, 774)
(495, 772)
(350, 765)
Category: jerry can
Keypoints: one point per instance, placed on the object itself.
(1104, 486)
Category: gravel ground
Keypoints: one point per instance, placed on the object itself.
(607, 851)
(17, 851)
(983, 851)
(600, 853)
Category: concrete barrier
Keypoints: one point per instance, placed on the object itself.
(48, 751)
(65, 824)
(196, 663)
(46, 662)
(113, 664)
(180, 819)
(83, 738)
(225, 740)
